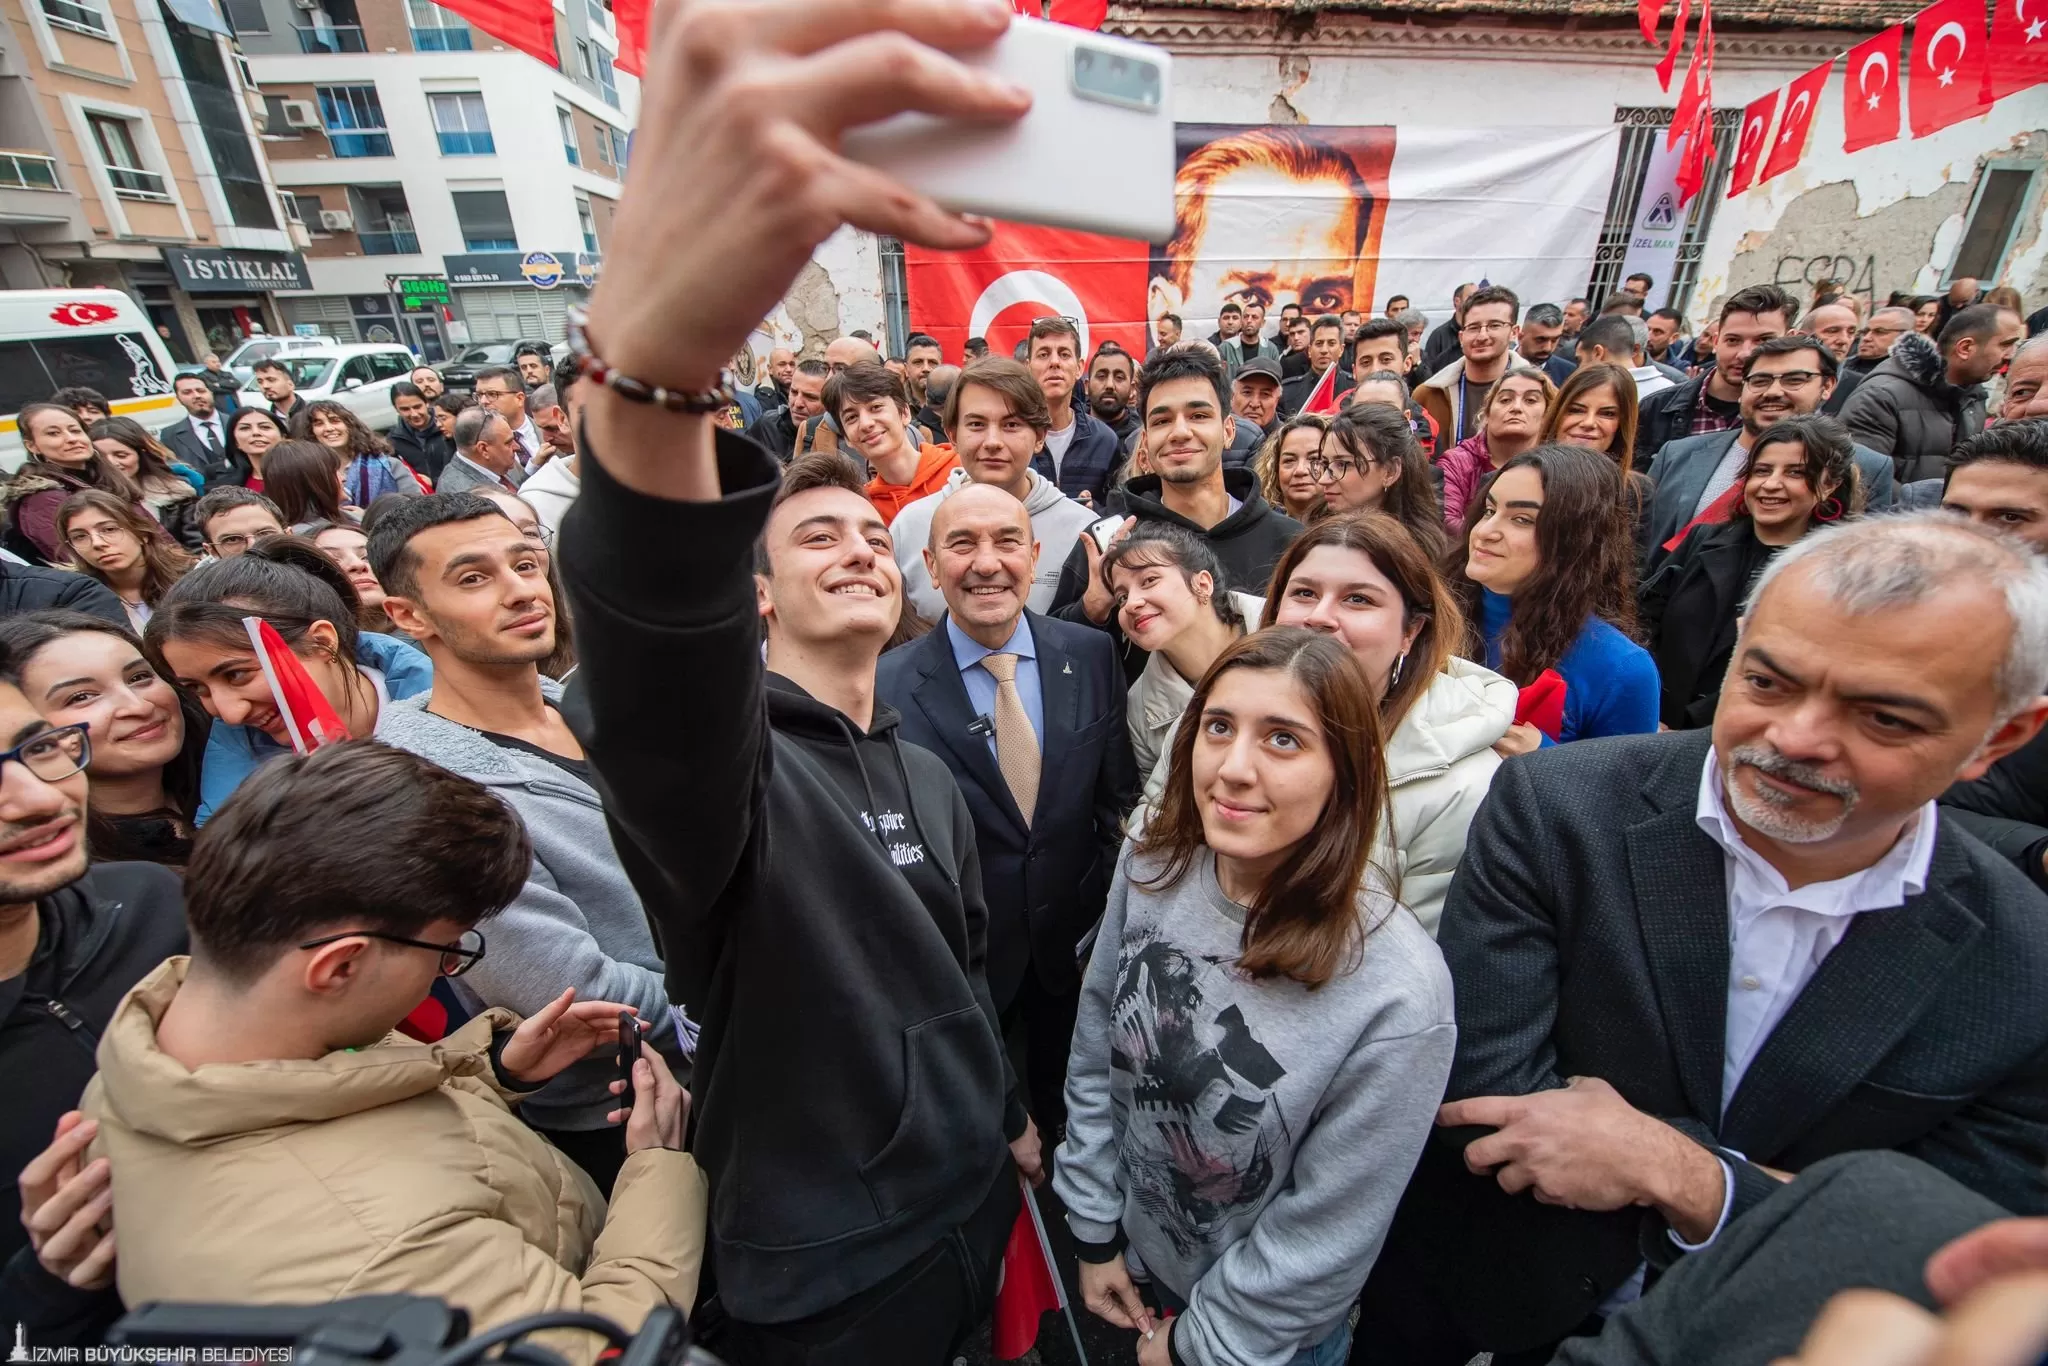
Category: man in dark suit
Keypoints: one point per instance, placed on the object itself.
(1688, 964)
(1692, 472)
(1028, 712)
(200, 438)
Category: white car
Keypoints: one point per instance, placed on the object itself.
(239, 361)
(358, 377)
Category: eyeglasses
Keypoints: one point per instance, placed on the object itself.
(456, 959)
(1489, 329)
(1329, 471)
(52, 755)
(1791, 379)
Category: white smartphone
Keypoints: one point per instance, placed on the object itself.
(1096, 152)
(1105, 529)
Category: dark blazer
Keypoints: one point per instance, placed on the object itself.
(1863, 1220)
(215, 466)
(427, 452)
(1092, 457)
(1045, 885)
(1682, 468)
(1587, 935)
(1688, 609)
(1665, 416)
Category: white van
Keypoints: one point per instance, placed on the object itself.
(52, 339)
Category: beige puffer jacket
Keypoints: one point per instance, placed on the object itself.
(399, 1168)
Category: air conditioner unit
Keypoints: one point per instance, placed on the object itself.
(337, 220)
(300, 113)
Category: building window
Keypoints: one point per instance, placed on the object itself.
(588, 224)
(354, 119)
(1994, 220)
(607, 82)
(435, 29)
(620, 142)
(217, 103)
(604, 144)
(123, 161)
(486, 220)
(599, 14)
(246, 16)
(567, 124)
(463, 127)
(83, 17)
(583, 60)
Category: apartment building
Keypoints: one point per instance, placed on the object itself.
(129, 159)
(452, 188)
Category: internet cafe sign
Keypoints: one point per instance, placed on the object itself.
(228, 270)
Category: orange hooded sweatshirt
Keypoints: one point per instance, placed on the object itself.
(935, 465)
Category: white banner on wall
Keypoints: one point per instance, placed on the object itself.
(1658, 223)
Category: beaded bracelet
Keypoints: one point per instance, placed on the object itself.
(594, 369)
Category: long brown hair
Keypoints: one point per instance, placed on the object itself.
(1395, 552)
(97, 471)
(304, 479)
(163, 563)
(1585, 538)
(1266, 464)
(1304, 924)
(153, 459)
(1379, 433)
(1585, 380)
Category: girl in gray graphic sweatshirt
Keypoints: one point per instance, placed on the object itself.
(1264, 1033)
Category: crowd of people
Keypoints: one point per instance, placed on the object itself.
(1542, 853)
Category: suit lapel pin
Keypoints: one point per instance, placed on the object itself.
(1069, 667)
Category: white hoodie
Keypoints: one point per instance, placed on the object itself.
(1056, 520)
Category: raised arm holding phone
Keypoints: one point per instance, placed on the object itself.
(815, 884)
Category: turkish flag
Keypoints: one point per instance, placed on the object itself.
(309, 718)
(1648, 12)
(1801, 99)
(1027, 272)
(2019, 46)
(1949, 70)
(1541, 704)
(630, 17)
(1692, 175)
(1698, 91)
(528, 25)
(1087, 14)
(1029, 1287)
(1870, 91)
(1670, 58)
(1749, 146)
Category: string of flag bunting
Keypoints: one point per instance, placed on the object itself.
(1958, 62)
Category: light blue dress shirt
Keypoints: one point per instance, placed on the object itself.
(981, 684)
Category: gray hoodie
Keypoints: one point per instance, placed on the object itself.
(1056, 520)
(577, 923)
(1252, 1139)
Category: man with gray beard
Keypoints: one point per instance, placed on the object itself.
(1690, 965)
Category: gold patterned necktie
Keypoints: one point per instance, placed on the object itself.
(1016, 743)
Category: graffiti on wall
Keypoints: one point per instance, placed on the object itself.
(1858, 276)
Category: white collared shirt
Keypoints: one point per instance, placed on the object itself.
(1779, 937)
(214, 437)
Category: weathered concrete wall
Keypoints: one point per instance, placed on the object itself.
(840, 291)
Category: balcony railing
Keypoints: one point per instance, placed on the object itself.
(28, 171)
(389, 243)
(441, 40)
(468, 144)
(471, 242)
(339, 38)
(133, 184)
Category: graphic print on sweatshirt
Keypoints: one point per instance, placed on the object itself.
(1204, 1122)
(903, 853)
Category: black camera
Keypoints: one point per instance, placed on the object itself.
(390, 1330)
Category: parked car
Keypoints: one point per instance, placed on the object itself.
(242, 360)
(460, 373)
(52, 339)
(359, 377)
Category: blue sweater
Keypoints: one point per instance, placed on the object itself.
(1610, 681)
(234, 752)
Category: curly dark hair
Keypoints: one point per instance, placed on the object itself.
(361, 440)
(1585, 543)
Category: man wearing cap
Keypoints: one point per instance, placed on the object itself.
(1255, 394)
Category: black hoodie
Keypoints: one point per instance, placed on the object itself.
(98, 937)
(817, 899)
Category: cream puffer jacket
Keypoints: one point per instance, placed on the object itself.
(1440, 761)
(394, 1169)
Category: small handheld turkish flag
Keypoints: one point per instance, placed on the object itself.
(309, 718)
(1698, 91)
(1870, 91)
(1749, 146)
(1949, 70)
(528, 25)
(2019, 46)
(1801, 99)
(1322, 398)
(1029, 1289)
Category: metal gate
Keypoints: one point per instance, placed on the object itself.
(1640, 129)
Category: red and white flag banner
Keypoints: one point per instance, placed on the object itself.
(2019, 46)
(1802, 99)
(1870, 91)
(1950, 73)
(528, 25)
(1752, 141)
